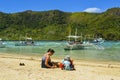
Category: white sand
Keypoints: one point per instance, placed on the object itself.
(85, 70)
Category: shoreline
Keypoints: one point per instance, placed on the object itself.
(85, 70)
(56, 57)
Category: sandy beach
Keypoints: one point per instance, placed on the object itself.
(85, 70)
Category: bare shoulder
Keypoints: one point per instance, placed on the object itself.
(47, 56)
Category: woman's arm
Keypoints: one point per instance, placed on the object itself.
(47, 60)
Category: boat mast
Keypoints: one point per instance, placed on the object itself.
(69, 33)
(81, 38)
(76, 35)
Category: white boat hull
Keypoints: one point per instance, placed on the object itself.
(74, 47)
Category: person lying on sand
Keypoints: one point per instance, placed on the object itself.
(46, 60)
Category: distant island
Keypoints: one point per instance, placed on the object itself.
(56, 24)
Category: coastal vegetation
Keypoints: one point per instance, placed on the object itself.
(56, 24)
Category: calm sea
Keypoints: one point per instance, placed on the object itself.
(111, 51)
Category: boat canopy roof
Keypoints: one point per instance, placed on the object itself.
(29, 38)
(73, 36)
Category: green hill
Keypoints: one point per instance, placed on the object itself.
(55, 24)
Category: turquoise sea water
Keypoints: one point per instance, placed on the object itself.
(111, 51)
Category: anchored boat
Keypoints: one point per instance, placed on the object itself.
(2, 45)
(27, 42)
(74, 45)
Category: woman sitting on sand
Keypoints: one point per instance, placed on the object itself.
(46, 60)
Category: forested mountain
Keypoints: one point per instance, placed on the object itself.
(55, 24)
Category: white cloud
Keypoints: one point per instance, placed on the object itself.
(92, 10)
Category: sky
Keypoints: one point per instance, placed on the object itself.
(13, 6)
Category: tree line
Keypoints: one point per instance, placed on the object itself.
(56, 24)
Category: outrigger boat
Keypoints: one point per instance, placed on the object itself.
(2, 45)
(74, 45)
(27, 42)
(96, 43)
(80, 45)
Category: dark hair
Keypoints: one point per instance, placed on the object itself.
(50, 50)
